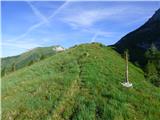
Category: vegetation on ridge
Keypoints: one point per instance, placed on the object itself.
(81, 83)
(11, 64)
(153, 65)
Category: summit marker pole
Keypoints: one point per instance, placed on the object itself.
(126, 66)
(126, 82)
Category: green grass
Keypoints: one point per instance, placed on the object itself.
(10, 64)
(81, 83)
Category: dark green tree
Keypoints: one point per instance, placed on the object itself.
(42, 57)
(3, 72)
(31, 62)
(151, 53)
(153, 65)
(151, 68)
(13, 67)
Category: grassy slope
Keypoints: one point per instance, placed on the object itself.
(26, 58)
(82, 83)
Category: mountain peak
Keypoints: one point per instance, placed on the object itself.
(140, 40)
(158, 11)
(156, 16)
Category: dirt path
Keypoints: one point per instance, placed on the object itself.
(67, 101)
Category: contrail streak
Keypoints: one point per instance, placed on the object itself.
(94, 37)
(58, 10)
(42, 22)
(37, 12)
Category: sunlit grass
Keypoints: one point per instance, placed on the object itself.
(81, 83)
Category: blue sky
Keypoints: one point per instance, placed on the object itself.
(26, 25)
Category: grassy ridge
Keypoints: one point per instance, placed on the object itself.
(11, 64)
(81, 83)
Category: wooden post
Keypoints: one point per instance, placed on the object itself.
(126, 83)
(127, 66)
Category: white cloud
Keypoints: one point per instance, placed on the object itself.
(87, 18)
(20, 44)
(98, 33)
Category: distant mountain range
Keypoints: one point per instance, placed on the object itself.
(10, 64)
(140, 40)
